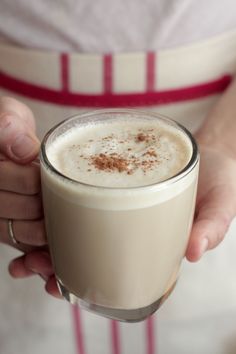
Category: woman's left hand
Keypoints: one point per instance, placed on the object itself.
(216, 200)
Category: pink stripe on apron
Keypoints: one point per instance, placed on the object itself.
(107, 74)
(65, 72)
(150, 72)
(78, 330)
(115, 337)
(151, 335)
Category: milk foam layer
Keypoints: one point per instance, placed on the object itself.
(121, 153)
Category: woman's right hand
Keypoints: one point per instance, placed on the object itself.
(20, 193)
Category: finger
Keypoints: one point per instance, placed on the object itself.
(17, 268)
(20, 179)
(25, 232)
(39, 262)
(20, 207)
(30, 233)
(35, 262)
(210, 225)
(17, 131)
(52, 288)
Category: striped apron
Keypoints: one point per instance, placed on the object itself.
(182, 83)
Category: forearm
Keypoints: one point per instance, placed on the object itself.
(219, 127)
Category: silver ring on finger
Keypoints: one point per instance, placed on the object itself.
(11, 232)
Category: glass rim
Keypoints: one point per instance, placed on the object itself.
(182, 173)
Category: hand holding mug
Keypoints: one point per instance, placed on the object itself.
(21, 215)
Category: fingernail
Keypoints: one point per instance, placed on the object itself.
(23, 146)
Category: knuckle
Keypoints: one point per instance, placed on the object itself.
(10, 128)
(19, 108)
(5, 119)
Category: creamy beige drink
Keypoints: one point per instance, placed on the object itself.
(119, 192)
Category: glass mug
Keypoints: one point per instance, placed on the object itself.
(117, 251)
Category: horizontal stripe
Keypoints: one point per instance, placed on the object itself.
(65, 98)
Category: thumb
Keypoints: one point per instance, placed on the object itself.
(210, 225)
(18, 140)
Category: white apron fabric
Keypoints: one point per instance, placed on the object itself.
(199, 317)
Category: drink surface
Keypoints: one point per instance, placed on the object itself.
(121, 153)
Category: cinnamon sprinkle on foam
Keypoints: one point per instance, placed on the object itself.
(132, 154)
(110, 162)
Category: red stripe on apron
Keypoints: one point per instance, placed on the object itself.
(150, 335)
(107, 73)
(115, 337)
(64, 72)
(150, 72)
(78, 329)
(114, 100)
